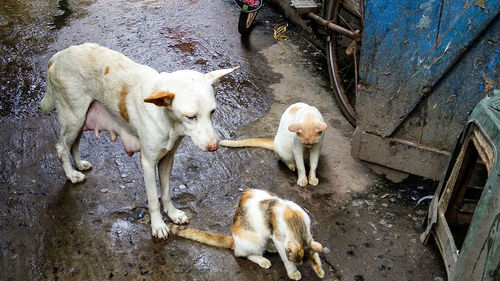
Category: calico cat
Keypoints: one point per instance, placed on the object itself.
(264, 222)
(300, 136)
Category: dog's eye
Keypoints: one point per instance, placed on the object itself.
(212, 112)
(192, 117)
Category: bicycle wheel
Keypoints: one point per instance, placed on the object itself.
(245, 21)
(343, 54)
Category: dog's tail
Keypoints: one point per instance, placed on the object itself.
(48, 102)
(204, 237)
(253, 142)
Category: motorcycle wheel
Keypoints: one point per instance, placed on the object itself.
(343, 65)
(245, 22)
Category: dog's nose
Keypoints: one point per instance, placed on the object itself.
(212, 147)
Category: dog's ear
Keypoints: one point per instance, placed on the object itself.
(215, 75)
(160, 98)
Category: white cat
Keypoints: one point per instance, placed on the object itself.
(299, 137)
(265, 222)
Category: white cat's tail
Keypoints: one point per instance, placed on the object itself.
(204, 237)
(253, 142)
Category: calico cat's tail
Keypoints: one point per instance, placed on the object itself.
(253, 142)
(205, 237)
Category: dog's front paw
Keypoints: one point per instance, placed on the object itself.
(302, 181)
(83, 165)
(178, 216)
(313, 181)
(76, 176)
(295, 275)
(159, 229)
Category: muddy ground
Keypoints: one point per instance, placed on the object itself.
(51, 229)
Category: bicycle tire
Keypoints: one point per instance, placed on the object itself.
(343, 68)
(245, 22)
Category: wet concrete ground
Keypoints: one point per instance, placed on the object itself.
(99, 230)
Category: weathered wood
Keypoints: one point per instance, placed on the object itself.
(402, 155)
(477, 257)
(484, 149)
(446, 247)
(418, 74)
(441, 115)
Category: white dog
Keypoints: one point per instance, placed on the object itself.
(95, 88)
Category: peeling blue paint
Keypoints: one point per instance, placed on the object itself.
(426, 64)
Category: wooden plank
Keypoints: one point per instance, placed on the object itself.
(484, 149)
(402, 155)
(440, 117)
(396, 35)
(446, 244)
(450, 12)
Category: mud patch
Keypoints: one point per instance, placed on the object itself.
(379, 230)
(26, 32)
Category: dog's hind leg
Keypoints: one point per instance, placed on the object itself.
(71, 120)
(164, 170)
(82, 165)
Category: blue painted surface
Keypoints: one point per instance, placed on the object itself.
(411, 48)
(441, 115)
(396, 32)
(450, 12)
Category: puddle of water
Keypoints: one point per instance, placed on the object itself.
(26, 30)
(60, 20)
(182, 39)
(186, 47)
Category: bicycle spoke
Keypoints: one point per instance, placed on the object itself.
(352, 9)
(342, 18)
(346, 67)
(342, 59)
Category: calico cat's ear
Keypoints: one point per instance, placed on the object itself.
(316, 246)
(320, 126)
(296, 128)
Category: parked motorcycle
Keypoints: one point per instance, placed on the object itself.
(249, 10)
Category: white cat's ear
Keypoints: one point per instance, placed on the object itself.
(316, 246)
(296, 128)
(215, 75)
(321, 126)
